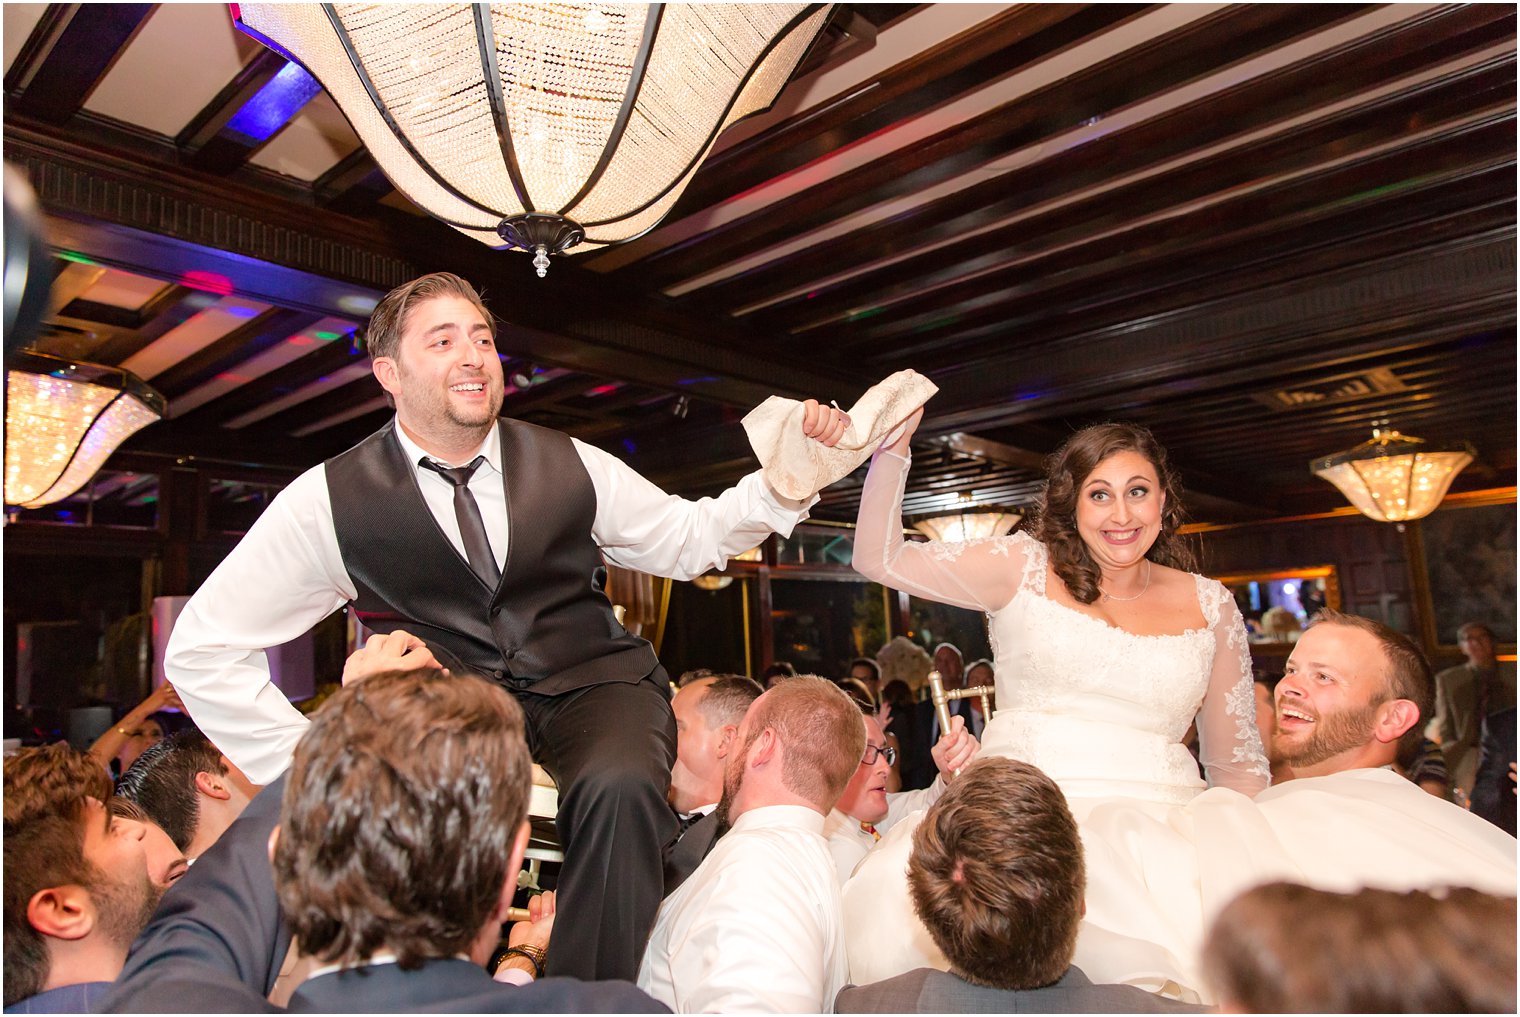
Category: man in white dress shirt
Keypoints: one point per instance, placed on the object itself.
(486, 538)
(867, 810)
(756, 929)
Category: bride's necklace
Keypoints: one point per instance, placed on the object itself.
(1126, 600)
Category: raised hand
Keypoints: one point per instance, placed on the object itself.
(824, 424)
(955, 749)
(901, 435)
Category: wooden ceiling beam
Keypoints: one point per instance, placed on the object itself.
(170, 309)
(296, 375)
(1016, 37)
(1201, 48)
(354, 186)
(206, 142)
(258, 334)
(66, 56)
(1303, 165)
(126, 201)
(1028, 319)
(1252, 105)
(1404, 303)
(1177, 271)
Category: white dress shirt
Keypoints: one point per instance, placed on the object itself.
(287, 574)
(849, 841)
(757, 928)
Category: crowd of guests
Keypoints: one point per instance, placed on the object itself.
(387, 858)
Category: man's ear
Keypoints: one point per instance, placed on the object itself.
(725, 739)
(514, 866)
(1394, 718)
(386, 373)
(62, 912)
(765, 748)
(211, 786)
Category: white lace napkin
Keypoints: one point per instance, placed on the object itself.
(797, 467)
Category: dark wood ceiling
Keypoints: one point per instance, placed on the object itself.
(1253, 228)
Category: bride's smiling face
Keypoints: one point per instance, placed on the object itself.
(1119, 509)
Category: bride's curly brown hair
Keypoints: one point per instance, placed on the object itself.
(1055, 521)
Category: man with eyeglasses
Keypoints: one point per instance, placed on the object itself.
(867, 809)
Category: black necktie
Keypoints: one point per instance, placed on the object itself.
(471, 526)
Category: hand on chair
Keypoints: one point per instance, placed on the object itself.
(397, 652)
(955, 749)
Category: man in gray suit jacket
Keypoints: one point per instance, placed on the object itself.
(998, 879)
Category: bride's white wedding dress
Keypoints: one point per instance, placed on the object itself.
(1103, 712)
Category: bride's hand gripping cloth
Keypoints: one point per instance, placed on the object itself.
(798, 467)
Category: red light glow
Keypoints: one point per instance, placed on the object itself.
(208, 282)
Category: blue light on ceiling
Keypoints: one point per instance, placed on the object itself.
(273, 105)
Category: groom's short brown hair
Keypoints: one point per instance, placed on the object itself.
(997, 876)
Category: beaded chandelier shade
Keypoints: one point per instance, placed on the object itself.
(968, 525)
(1394, 478)
(544, 126)
(62, 420)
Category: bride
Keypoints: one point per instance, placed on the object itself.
(1107, 649)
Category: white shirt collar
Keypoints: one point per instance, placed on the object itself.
(490, 448)
(797, 816)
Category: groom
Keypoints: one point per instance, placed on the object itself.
(485, 537)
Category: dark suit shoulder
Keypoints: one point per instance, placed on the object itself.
(457, 986)
(930, 991)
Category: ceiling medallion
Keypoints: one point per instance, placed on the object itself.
(547, 127)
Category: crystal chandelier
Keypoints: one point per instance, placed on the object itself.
(1394, 478)
(542, 126)
(968, 525)
(62, 420)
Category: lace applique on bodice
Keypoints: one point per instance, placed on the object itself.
(1103, 711)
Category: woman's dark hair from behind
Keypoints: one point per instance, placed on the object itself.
(1055, 522)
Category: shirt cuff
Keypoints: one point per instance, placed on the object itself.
(777, 511)
(512, 976)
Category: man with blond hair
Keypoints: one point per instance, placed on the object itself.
(756, 929)
(487, 538)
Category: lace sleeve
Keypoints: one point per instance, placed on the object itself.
(1228, 742)
(979, 574)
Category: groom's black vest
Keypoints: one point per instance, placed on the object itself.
(547, 627)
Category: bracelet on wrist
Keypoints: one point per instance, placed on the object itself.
(534, 955)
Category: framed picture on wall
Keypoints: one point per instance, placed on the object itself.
(1470, 565)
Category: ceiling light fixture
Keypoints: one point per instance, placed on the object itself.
(542, 126)
(1394, 478)
(968, 525)
(62, 421)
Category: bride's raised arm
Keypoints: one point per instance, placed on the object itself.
(979, 574)
(1229, 746)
